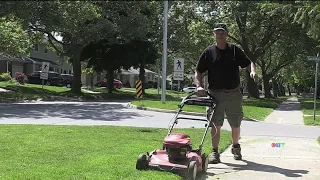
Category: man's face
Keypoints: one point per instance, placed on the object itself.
(221, 34)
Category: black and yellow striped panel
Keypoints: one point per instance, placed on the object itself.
(139, 89)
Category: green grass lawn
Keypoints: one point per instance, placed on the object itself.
(84, 152)
(307, 110)
(151, 93)
(318, 140)
(257, 109)
(34, 92)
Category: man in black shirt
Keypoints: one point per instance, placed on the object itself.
(222, 61)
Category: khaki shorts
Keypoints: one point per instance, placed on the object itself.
(229, 104)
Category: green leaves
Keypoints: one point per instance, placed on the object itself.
(14, 40)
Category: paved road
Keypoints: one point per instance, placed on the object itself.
(116, 113)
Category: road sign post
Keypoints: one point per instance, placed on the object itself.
(44, 71)
(316, 59)
(164, 53)
(178, 70)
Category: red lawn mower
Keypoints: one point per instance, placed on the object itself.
(177, 155)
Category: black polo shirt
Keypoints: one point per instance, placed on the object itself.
(223, 73)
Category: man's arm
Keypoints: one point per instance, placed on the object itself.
(198, 79)
(251, 67)
(245, 62)
(200, 69)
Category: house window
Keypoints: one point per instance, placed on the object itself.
(36, 47)
(51, 69)
(45, 50)
(64, 72)
(69, 71)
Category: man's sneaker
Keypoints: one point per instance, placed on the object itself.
(236, 151)
(214, 157)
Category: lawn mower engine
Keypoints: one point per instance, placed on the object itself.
(177, 146)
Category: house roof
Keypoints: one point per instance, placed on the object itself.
(42, 60)
(134, 71)
(7, 57)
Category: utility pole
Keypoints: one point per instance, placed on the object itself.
(164, 54)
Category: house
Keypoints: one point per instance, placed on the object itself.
(11, 64)
(28, 64)
(40, 53)
(128, 77)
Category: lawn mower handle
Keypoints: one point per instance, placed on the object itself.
(206, 93)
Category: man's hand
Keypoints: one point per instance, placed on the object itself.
(200, 91)
(254, 76)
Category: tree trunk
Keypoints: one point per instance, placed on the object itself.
(110, 80)
(142, 77)
(253, 89)
(280, 87)
(91, 81)
(283, 89)
(76, 85)
(275, 88)
(266, 86)
(288, 86)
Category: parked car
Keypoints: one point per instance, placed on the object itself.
(67, 80)
(54, 78)
(190, 89)
(116, 83)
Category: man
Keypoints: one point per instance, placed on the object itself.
(222, 61)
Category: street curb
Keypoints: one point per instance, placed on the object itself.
(131, 106)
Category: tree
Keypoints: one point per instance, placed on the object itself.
(103, 56)
(127, 44)
(291, 44)
(73, 20)
(14, 39)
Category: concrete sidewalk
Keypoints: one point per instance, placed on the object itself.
(289, 112)
(272, 157)
(297, 159)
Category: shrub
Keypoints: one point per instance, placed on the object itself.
(5, 77)
(20, 77)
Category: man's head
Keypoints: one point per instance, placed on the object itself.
(221, 32)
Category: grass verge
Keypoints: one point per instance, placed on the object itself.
(253, 108)
(307, 106)
(318, 140)
(84, 152)
(29, 92)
